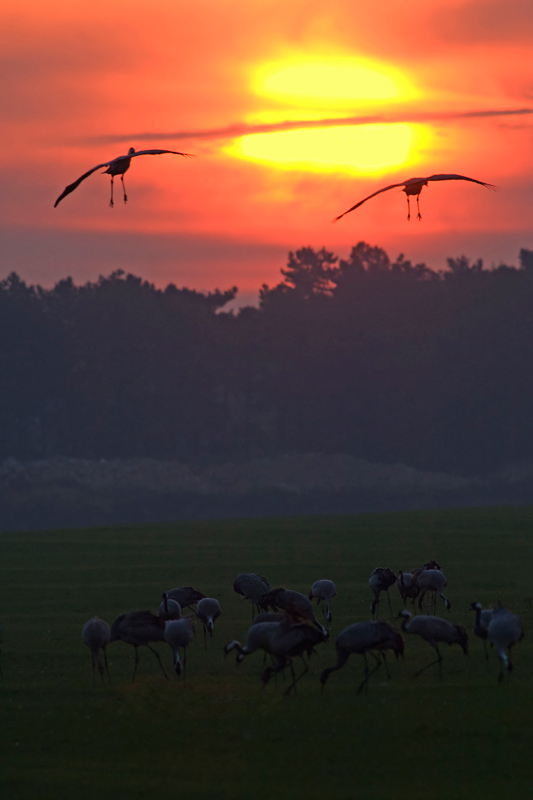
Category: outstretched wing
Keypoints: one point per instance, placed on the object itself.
(460, 178)
(70, 188)
(386, 189)
(160, 152)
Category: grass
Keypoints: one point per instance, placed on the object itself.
(219, 735)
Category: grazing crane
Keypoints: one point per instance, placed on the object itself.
(363, 638)
(96, 634)
(324, 590)
(186, 596)
(259, 637)
(381, 580)
(292, 640)
(179, 633)
(407, 586)
(282, 640)
(139, 628)
(434, 630)
(432, 580)
(413, 186)
(253, 587)
(482, 621)
(504, 632)
(117, 166)
(295, 605)
(169, 609)
(208, 610)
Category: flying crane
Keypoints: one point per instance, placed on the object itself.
(117, 166)
(413, 186)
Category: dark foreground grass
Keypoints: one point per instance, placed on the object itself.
(219, 735)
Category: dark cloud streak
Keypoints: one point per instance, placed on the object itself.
(242, 129)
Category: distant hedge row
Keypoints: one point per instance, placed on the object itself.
(389, 361)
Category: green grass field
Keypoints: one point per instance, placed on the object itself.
(219, 735)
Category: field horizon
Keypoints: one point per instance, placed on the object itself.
(218, 734)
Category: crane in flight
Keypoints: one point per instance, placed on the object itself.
(117, 166)
(413, 186)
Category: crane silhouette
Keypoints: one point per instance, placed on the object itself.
(117, 166)
(413, 186)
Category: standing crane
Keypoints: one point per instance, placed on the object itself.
(434, 630)
(96, 635)
(381, 580)
(253, 587)
(363, 638)
(208, 610)
(504, 632)
(179, 633)
(432, 580)
(117, 166)
(185, 595)
(413, 186)
(169, 609)
(482, 621)
(139, 628)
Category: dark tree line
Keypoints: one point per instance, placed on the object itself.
(389, 361)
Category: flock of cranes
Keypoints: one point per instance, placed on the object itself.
(284, 626)
(118, 166)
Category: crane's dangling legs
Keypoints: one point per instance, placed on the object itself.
(124, 190)
(418, 207)
(408, 208)
(111, 203)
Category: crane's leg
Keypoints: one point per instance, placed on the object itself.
(293, 684)
(364, 682)
(418, 208)
(390, 607)
(205, 639)
(375, 604)
(111, 203)
(136, 662)
(421, 599)
(94, 668)
(485, 649)
(384, 657)
(125, 196)
(106, 666)
(438, 660)
(408, 209)
(156, 654)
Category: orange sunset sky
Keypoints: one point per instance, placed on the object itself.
(84, 81)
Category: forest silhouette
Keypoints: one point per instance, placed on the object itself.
(387, 361)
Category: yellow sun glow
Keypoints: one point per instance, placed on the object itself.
(330, 82)
(368, 148)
